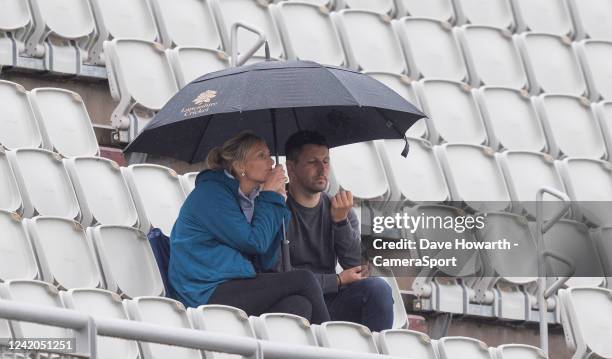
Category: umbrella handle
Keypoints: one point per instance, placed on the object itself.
(285, 255)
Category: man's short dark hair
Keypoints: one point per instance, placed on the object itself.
(298, 140)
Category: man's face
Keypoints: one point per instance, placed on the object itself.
(311, 170)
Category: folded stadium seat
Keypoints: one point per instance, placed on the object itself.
(496, 13)
(603, 110)
(18, 126)
(285, 328)
(589, 186)
(518, 351)
(62, 44)
(301, 26)
(452, 109)
(10, 196)
(442, 10)
(483, 190)
(43, 183)
(133, 65)
(431, 49)
(345, 336)
(492, 57)
(603, 241)
(64, 122)
(116, 19)
(188, 181)
(552, 65)
(67, 258)
(549, 16)
(105, 304)
(166, 312)
(252, 13)
(102, 191)
(380, 6)
(503, 283)
(598, 71)
(511, 119)
(586, 321)
(15, 22)
(403, 343)
(17, 259)
(157, 193)
(189, 63)
(462, 347)
(571, 126)
(369, 41)
(591, 19)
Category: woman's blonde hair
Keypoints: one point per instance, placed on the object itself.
(233, 150)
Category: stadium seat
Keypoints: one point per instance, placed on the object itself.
(327, 3)
(301, 26)
(121, 20)
(284, 328)
(166, 312)
(43, 183)
(127, 261)
(592, 19)
(369, 41)
(251, 13)
(189, 63)
(518, 351)
(157, 193)
(381, 6)
(550, 16)
(453, 111)
(18, 126)
(188, 181)
(482, 190)
(598, 71)
(603, 111)
(67, 259)
(17, 259)
(497, 13)
(438, 9)
(552, 65)
(102, 191)
(511, 119)
(571, 126)
(492, 57)
(603, 241)
(462, 347)
(346, 336)
(10, 196)
(62, 44)
(102, 303)
(431, 49)
(15, 22)
(133, 66)
(186, 23)
(417, 177)
(403, 343)
(64, 122)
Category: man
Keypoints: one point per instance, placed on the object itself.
(324, 230)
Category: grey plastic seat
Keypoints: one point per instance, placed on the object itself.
(381, 6)
(346, 336)
(518, 351)
(285, 328)
(462, 347)
(189, 63)
(17, 259)
(10, 195)
(598, 71)
(405, 343)
(590, 17)
(438, 9)
(497, 13)
(549, 16)
(18, 126)
(603, 241)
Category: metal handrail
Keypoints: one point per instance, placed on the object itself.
(239, 60)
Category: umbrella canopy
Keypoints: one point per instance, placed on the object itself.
(275, 99)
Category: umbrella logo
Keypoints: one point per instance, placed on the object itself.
(204, 97)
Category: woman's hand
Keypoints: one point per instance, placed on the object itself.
(275, 181)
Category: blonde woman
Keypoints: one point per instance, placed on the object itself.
(226, 239)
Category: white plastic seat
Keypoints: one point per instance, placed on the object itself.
(127, 261)
(285, 328)
(492, 57)
(18, 126)
(303, 24)
(431, 49)
(551, 64)
(67, 259)
(603, 111)
(380, 6)
(586, 321)
(166, 312)
(483, 190)
(132, 66)
(64, 122)
(591, 18)
(10, 196)
(157, 193)
(550, 16)
(106, 304)
(17, 259)
(186, 23)
(462, 347)
(497, 13)
(438, 9)
(452, 109)
(405, 343)
(369, 41)
(571, 126)
(346, 336)
(188, 181)
(189, 63)
(593, 55)
(43, 183)
(518, 351)
(15, 21)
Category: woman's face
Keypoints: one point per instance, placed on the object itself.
(258, 162)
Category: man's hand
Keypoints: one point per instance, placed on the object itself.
(353, 275)
(341, 203)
